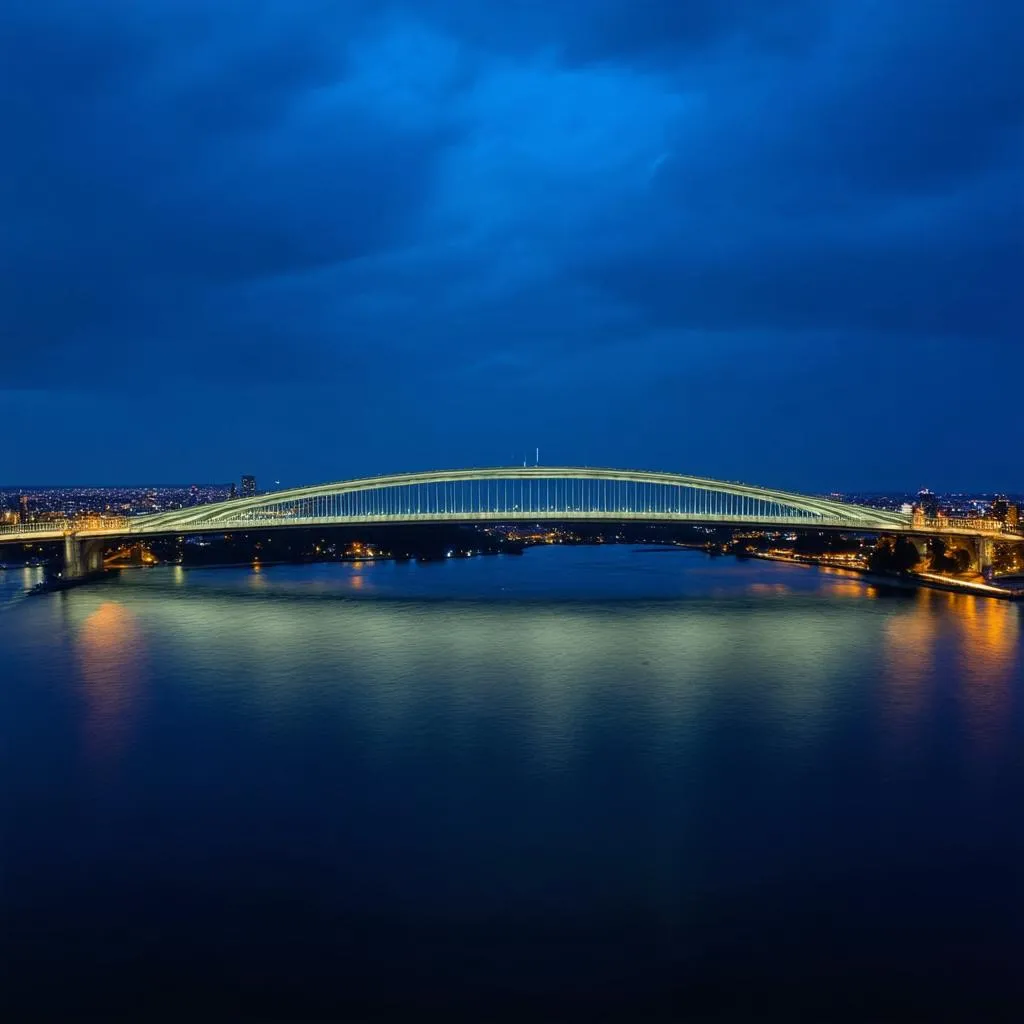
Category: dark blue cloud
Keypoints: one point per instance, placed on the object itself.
(766, 240)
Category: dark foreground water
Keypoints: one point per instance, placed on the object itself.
(585, 780)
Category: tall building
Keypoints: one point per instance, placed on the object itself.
(234, 492)
(928, 503)
(23, 505)
(248, 486)
(1006, 511)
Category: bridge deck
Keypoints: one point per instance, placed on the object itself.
(514, 494)
(138, 530)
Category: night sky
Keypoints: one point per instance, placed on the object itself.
(779, 241)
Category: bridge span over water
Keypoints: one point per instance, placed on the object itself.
(527, 494)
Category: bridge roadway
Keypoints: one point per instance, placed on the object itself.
(501, 495)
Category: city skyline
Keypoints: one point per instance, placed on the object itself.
(970, 544)
(12, 492)
(81, 503)
(768, 241)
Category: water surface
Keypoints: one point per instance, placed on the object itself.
(586, 778)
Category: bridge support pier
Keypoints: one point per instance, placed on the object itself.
(923, 548)
(983, 554)
(81, 557)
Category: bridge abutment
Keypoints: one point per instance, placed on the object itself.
(922, 546)
(977, 553)
(81, 557)
(983, 554)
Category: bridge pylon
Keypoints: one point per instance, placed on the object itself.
(984, 554)
(81, 557)
(923, 546)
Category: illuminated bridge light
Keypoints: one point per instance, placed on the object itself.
(509, 494)
(527, 493)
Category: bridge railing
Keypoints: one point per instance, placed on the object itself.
(502, 516)
(102, 523)
(58, 526)
(50, 526)
(954, 523)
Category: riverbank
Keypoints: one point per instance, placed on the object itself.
(912, 580)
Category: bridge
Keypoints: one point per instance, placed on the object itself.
(533, 494)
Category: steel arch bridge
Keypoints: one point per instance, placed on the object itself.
(520, 494)
(527, 494)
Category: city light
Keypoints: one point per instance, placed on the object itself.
(965, 540)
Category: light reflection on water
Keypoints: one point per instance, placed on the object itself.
(989, 652)
(782, 646)
(14, 582)
(580, 736)
(111, 654)
(909, 648)
(947, 638)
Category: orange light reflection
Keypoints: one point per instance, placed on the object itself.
(112, 658)
(979, 636)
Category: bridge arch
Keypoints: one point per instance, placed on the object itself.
(527, 493)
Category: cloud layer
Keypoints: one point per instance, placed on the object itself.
(764, 240)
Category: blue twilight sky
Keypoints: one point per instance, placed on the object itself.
(769, 240)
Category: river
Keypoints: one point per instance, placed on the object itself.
(584, 779)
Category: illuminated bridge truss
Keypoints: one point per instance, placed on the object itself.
(526, 494)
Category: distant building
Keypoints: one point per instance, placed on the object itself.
(1006, 512)
(23, 505)
(928, 503)
(234, 492)
(248, 487)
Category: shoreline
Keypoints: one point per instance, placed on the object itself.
(911, 581)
